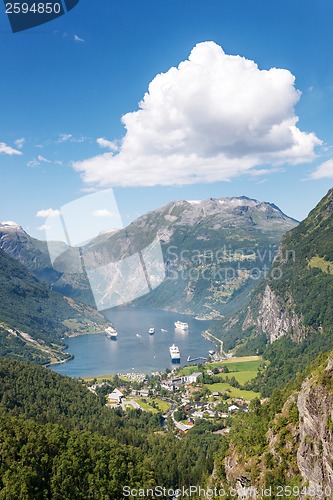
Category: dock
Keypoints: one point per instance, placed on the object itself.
(200, 358)
(221, 354)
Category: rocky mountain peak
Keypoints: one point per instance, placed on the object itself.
(10, 226)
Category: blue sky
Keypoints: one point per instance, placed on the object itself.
(68, 83)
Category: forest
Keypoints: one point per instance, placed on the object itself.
(58, 441)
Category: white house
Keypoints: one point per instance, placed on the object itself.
(192, 379)
(115, 396)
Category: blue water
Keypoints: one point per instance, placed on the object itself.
(98, 355)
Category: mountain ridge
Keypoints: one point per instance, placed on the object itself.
(219, 226)
(34, 319)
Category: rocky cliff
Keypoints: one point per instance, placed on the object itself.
(295, 299)
(297, 450)
(275, 318)
(315, 450)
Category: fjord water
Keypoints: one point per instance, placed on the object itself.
(135, 350)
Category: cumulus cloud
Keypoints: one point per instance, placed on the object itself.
(323, 171)
(7, 150)
(104, 143)
(214, 117)
(48, 212)
(103, 212)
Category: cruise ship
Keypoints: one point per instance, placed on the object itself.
(174, 353)
(111, 333)
(180, 325)
(151, 330)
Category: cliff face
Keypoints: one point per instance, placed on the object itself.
(295, 298)
(299, 445)
(315, 451)
(274, 319)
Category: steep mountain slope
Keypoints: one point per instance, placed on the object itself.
(296, 298)
(285, 445)
(33, 318)
(30, 252)
(214, 252)
(34, 255)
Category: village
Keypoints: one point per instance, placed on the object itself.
(185, 396)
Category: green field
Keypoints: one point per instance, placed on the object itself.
(162, 406)
(325, 265)
(242, 365)
(242, 369)
(232, 391)
(246, 363)
(242, 377)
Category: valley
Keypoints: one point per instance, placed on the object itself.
(257, 421)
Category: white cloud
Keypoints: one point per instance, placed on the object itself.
(43, 227)
(78, 39)
(323, 171)
(33, 163)
(70, 138)
(43, 159)
(65, 137)
(48, 212)
(7, 150)
(214, 117)
(19, 143)
(104, 143)
(103, 212)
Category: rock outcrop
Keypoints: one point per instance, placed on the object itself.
(274, 319)
(315, 451)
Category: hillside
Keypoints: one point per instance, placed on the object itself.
(34, 255)
(34, 319)
(291, 312)
(58, 441)
(214, 251)
(286, 444)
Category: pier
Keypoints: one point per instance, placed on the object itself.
(221, 354)
(200, 358)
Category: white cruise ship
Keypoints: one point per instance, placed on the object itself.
(174, 353)
(180, 325)
(111, 333)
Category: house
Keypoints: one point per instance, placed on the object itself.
(215, 394)
(177, 381)
(198, 414)
(193, 378)
(144, 393)
(115, 397)
(232, 408)
(166, 384)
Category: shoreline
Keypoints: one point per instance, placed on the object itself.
(60, 362)
(122, 370)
